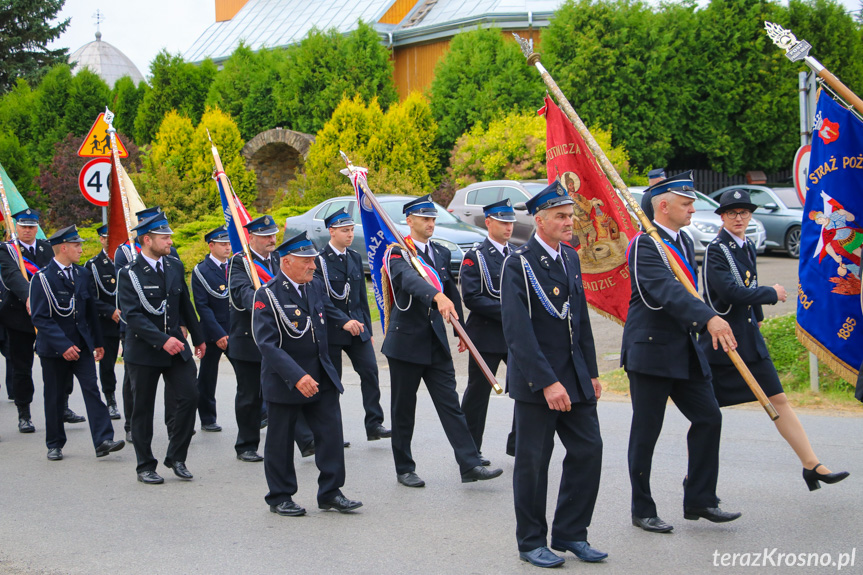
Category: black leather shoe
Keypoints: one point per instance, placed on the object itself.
(347, 444)
(179, 468)
(129, 437)
(150, 478)
(379, 432)
(70, 416)
(541, 557)
(341, 504)
(109, 446)
(288, 509)
(249, 456)
(812, 477)
(652, 524)
(264, 423)
(211, 427)
(714, 514)
(480, 473)
(483, 461)
(25, 426)
(309, 450)
(55, 454)
(113, 412)
(410, 479)
(580, 549)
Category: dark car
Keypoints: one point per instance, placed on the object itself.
(456, 236)
(467, 203)
(781, 212)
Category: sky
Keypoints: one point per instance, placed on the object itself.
(141, 28)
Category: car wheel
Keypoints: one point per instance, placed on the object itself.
(792, 242)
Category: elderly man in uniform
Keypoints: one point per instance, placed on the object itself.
(62, 298)
(553, 379)
(417, 349)
(479, 278)
(662, 358)
(290, 319)
(210, 294)
(155, 303)
(341, 270)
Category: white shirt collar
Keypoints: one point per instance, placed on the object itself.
(265, 258)
(335, 249)
(61, 266)
(420, 245)
(151, 261)
(293, 283)
(33, 245)
(497, 245)
(551, 251)
(739, 241)
(216, 261)
(670, 232)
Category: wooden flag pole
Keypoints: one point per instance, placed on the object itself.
(12, 228)
(118, 168)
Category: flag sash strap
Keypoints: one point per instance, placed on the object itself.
(675, 253)
(29, 265)
(436, 281)
(263, 272)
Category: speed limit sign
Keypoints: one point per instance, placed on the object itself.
(94, 181)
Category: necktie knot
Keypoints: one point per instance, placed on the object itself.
(505, 251)
(159, 268)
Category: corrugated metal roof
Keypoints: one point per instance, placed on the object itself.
(459, 10)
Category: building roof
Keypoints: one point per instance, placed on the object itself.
(275, 23)
(106, 61)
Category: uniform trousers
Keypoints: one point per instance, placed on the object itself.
(208, 374)
(56, 372)
(474, 402)
(107, 377)
(324, 417)
(695, 399)
(362, 356)
(181, 378)
(10, 383)
(129, 404)
(578, 429)
(439, 377)
(21, 354)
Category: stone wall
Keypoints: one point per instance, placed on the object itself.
(276, 156)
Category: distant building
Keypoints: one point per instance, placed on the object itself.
(417, 32)
(105, 61)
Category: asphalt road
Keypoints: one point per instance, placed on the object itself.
(85, 515)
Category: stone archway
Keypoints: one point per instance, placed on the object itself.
(276, 156)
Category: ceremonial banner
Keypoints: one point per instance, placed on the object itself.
(601, 223)
(117, 232)
(829, 314)
(16, 201)
(236, 244)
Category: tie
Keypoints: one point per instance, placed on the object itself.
(224, 267)
(428, 252)
(505, 251)
(69, 274)
(32, 253)
(159, 269)
(559, 260)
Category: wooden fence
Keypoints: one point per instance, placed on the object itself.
(708, 181)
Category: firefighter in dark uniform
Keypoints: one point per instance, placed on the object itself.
(479, 278)
(290, 319)
(62, 298)
(16, 317)
(104, 276)
(210, 294)
(731, 288)
(341, 270)
(417, 349)
(663, 359)
(155, 303)
(553, 379)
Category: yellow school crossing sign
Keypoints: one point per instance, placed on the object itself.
(97, 144)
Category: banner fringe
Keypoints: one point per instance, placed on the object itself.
(607, 315)
(838, 366)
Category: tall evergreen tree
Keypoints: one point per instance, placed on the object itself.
(26, 29)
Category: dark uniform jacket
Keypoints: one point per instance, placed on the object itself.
(242, 299)
(104, 279)
(483, 326)
(146, 332)
(657, 341)
(722, 290)
(15, 314)
(212, 309)
(340, 273)
(57, 331)
(288, 359)
(541, 349)
(411, 333)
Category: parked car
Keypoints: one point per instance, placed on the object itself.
(457, 236)
(705, 223)
(781, 212)
(467, 203)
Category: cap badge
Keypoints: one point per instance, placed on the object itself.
(736, 195)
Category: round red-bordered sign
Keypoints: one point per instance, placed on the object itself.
(94, 181)
(801, 171)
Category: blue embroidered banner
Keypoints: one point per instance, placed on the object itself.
(829, 314)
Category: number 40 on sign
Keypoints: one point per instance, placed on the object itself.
(94, 181)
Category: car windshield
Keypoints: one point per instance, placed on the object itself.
(703, 203)
(533, 187)
(788, 196)
(394, 209)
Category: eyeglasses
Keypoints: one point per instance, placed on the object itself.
(742, 214)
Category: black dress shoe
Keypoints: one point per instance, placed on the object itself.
(714, 514)
(249, 456)
(483, 461)
(179, 468)
(288, 509)
(309, 450)
(150, 477)
(55, 454)
(410, 479)
(652, 524)
(25, 426)
(379, 432)
(580, 549)
(541, 557)
(109, 446)
(480, 473)
(70, 416)
(129, 437)
(341, 504)
(264, 423)
(812, 477)
(113, 412)
(211, 427)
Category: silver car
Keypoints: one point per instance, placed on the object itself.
(467, 203)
